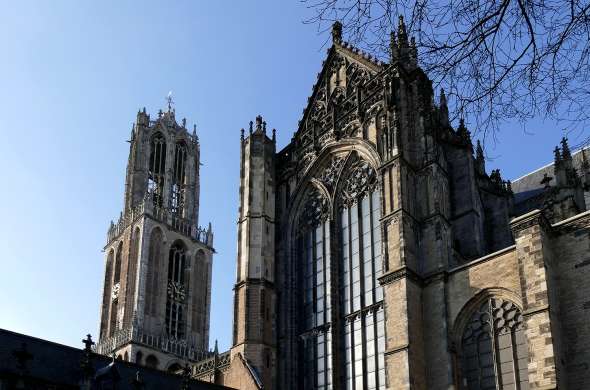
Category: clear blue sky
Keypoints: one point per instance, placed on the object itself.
(73, 75)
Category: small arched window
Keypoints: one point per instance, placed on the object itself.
(138, 357)
(157, 168)
(178, 179)
(151, 361)
(494, 353)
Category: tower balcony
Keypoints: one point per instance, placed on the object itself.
(161, 214)
(184, 349)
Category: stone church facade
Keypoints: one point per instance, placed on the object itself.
(375, 251)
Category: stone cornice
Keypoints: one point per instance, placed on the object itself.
(535, 217)
(400, 273)
(254, 282)
(574, 223)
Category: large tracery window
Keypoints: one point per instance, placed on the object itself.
(359, 324)
(494, 353)
(157, 168)
(361, 295)
(178, 180)
(175, 304)
(314, 256)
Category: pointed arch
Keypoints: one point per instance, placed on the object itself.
(490, 341)
(178, 186)
(157, 168)
(132, 266)
(177, 290)
(201, 290)
(154, 266)
(106, 294)
(358, 210)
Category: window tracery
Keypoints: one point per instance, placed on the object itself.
(361, 180)
(494, 353)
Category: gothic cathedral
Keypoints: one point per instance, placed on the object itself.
(375, 251)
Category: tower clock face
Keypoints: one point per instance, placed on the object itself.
(176, 291)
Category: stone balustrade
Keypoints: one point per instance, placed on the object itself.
(161, 214)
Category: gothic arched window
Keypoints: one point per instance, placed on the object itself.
(131, 275)
(178, 179)
(360, 262)
(175, 304)
(153, 270)
(157, 168)
(106, 297)
(313, 248)
(494, 353)
(115, 290)
(200, 284)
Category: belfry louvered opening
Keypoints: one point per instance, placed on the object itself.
(177, 200)
(157, 168)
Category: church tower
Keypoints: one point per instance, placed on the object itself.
(254, 292)
(157, 281)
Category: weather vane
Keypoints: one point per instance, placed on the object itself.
(170, 101)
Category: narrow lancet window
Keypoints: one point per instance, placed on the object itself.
(175, 304)
(157, 169)
(178, 180)
(314, 251)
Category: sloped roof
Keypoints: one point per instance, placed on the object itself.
(58, 364)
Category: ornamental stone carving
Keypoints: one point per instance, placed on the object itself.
(315, 211)
(330, 174)
(360, 181)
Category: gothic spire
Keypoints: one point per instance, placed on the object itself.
(337, 32)
(557, 155)
(565, 149)
(402, 34)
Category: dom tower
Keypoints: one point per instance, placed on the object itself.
(157, 281)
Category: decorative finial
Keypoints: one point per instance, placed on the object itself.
(216, 350)
(443, 98)
(336, 31)
(401, 33)
(274, 135)
(169, 101)
(479, 151)
(242, 134)
(557, 155)
(251, 123)
(264, 127)
(259, 122)
(565, 149)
